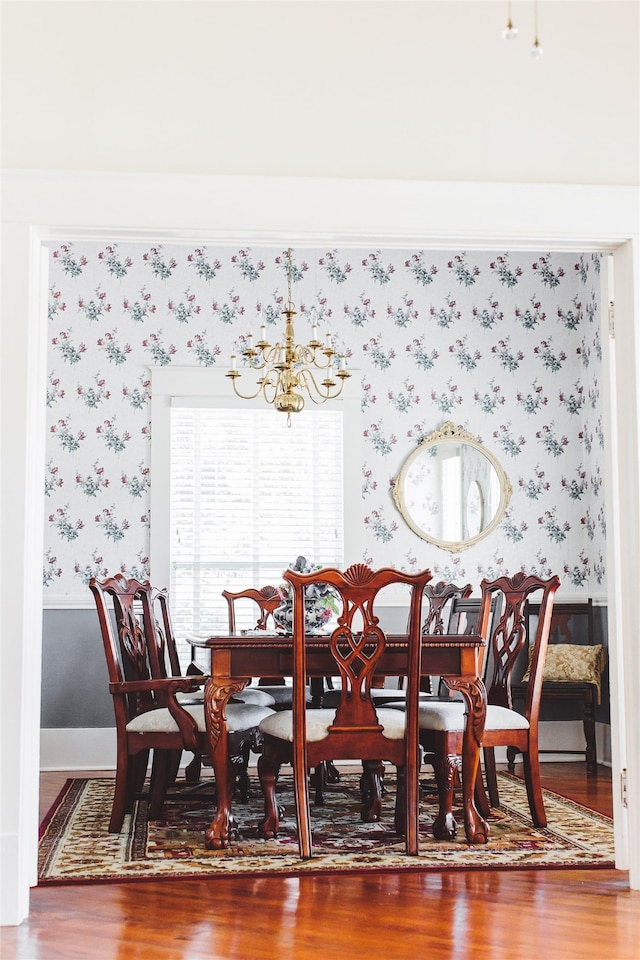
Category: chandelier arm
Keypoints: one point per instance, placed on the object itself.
(262, 385)
(323, 393)
(309, 355)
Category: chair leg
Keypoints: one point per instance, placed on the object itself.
(243, 773)
(120, 792)
(534, 789)
(193, 769)
(589, 726)
(331, 772)
(160, 774)
(491, 777)
(511, 759)
(372, 773)
(400, 813)
(317, 779)
(174, 765)
(480, 795)
(137, 774)
(301, 792)
(268, 772)
(447, 767)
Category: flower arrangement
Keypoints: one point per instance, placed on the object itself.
(320, 600)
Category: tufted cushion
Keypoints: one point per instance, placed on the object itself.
(240, 716)
(573, 663)
(449, 715)
(280, 725)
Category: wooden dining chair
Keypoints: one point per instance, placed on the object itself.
(441, 596)
(356, 728)
(442, 723)
(572, 681)
(267, 599)
(240, 741)
(148, 713)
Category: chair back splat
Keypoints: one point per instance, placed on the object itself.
(439, 595)
(355, 729)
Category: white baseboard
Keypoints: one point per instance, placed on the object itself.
(77, 748)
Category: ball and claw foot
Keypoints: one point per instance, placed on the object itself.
(220, 834)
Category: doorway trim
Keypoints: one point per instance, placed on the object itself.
(41, 206)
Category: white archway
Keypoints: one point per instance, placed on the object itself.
(39, 206)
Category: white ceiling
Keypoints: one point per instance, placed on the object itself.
(400, 90)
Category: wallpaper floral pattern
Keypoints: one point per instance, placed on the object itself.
(505, 344)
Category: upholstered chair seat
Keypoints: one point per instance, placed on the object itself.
(280, 724)
(240, 717)
(441, 715)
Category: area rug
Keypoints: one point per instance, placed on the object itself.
(76, 846)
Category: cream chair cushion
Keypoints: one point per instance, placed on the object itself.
(248, 695)
(280, 725)
(449, 715)
(240, 716)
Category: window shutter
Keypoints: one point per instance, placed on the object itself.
(248, 496)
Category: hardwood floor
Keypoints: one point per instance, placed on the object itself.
(562, 914)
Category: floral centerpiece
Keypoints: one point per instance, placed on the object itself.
(321, 601)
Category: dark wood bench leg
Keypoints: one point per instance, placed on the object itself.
(589, 725)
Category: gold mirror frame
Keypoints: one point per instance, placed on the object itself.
(450, 434)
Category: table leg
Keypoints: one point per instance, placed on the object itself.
(217, 693)
(475, 695)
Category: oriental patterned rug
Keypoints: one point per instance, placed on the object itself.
(75, 845)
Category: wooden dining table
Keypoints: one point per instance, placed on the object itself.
(235, 658)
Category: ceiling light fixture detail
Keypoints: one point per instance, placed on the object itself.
(289, 369)
(510, 32)
(536, 50)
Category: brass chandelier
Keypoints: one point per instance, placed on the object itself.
(288, 369)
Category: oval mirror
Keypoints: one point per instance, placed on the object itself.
(451, 490)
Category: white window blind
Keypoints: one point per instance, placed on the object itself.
(248, 496)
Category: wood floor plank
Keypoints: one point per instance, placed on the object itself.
(486, 915)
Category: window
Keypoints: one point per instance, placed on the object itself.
(248, 496)
(237, 495)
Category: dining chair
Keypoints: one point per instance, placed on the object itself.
(442, 722)
(572, 681)
(266, 599)
(441, 596)
(241, 741)
(148, 713)
(356, 728)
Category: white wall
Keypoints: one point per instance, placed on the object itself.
(404, 90)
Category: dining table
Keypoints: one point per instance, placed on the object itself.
(232, 660)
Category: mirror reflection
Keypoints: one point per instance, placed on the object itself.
(451, 490)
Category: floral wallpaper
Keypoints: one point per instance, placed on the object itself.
(505, 344)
